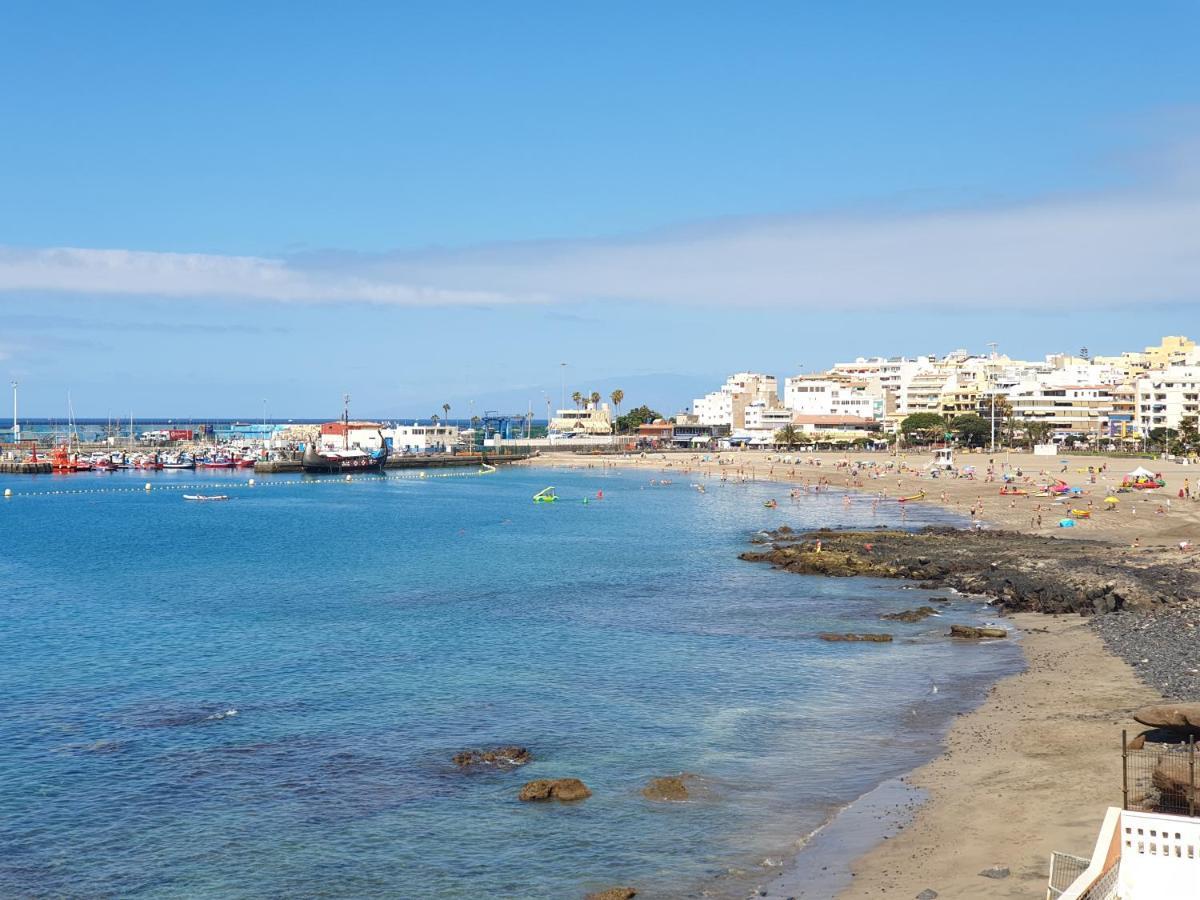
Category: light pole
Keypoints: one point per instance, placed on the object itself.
(562, 369)
(16, 423)
(992, 390)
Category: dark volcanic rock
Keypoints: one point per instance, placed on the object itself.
(566, 789)
(911, 615)
(970, 631)
(868, 638)
(500, 757)
(1022, 572)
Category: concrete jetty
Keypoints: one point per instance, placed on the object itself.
(16, 467)
(278, 466)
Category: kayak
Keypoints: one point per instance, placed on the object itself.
(205, 497)
(920, 496)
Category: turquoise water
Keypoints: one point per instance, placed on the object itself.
(365, 632)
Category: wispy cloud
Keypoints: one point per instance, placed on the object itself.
(1104, 250)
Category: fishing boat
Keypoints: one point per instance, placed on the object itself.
(349, 459)
(206, 498)
(218, 462)
(181, 461)
(918, 496)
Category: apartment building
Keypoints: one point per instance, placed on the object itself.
(829, 396)
(727, 405)
(1168, 398)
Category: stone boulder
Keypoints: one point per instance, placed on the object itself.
(911, 615)
(870, 638)
(565, 789)
(669, 787)
(970, 631)
(1178, 717)
(617, 893)
(500, 757)
(1172, 777)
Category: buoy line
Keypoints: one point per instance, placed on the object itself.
(149, 487)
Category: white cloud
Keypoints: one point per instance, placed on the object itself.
(1105, 250)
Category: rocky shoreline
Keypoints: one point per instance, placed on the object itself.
(1020, 572)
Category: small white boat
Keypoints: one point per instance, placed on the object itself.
(206, 497)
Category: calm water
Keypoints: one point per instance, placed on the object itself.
(365, 632)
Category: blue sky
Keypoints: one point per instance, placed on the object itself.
(205, 205)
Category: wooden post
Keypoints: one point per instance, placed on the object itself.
(1124, 770)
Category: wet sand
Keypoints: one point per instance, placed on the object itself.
(1034, 767)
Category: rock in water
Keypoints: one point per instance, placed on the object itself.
(911, 615)
(617, 893)
(871, 638)
(1180, 717)
(970, 631)
(995, 872)
(669, 787)
(501, 757)
(565, 789)
(927, 894)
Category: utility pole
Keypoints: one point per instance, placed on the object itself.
(562, 369)
(16, 422)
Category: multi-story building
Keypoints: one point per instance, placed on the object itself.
(829, 396)
(1081, 410)
(1168, 399)
(727, 405)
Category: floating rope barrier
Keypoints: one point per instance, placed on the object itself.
(250, 484)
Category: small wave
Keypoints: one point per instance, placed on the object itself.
(229, 713)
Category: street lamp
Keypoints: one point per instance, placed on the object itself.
(16, 423)
(562, 369)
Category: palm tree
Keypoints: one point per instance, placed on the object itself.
(616, 397)
(446, 410)
(434, 419)
(577, 399)
(595, 398)
(788, 436)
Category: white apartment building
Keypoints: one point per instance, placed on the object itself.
(727, 406)
(417, 438)
(1167, 399)
(817, 396)
(762, 418)
(1082, 410)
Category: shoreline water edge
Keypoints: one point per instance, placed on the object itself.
(1028, 770)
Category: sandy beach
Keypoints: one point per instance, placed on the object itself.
(1033, 768)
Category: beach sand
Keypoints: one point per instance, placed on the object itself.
(1034, 767)
(1157, 517)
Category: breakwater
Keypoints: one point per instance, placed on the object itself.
(277, 466)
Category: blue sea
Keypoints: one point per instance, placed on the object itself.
(261, 698)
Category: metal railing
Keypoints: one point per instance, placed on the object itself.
(1162, 778)
(1064, 870)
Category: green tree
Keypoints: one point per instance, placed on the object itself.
(595, 398)
(971, 430)
(1161, 437)
(1036, 431)
(787, 436)
(635, 417)
(923, 427)
(446, 410)
(577, 398)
